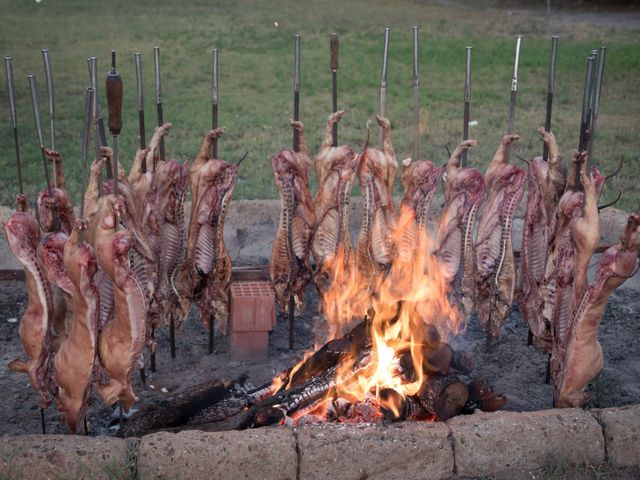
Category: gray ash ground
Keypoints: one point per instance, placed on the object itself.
(515, 369)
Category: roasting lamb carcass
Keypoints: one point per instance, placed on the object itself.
(464, 190)
(50, 254)
(171, 187)
(420, 181)
(74, 361)
(546, 186)
(566, 256)
(290, 269)
(581, 359)
(55, 201)
(336, 168)
(23, 236)
(376, 173)
(206, 273)
(495, 261)
(141, 256)
(122, 338)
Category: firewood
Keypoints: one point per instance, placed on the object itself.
(437, 360)
(482, 396)
(443, 396)
(207, 402)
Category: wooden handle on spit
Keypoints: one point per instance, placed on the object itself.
(114, 97)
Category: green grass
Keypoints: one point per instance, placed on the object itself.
(256, 63)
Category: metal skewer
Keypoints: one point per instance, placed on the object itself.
(214, 154)
(296, 92)
(52, 107)
(100, 133)
(585, 118)
(599, 78)
(334, 48)
(383, 83)
(514, 92)
(140, 92)
(8, 65)
(296, 148)
(88, 107)
(114, 101)
(156, 67)
(467, 106)
(416, 95)
(550, 91)
(35, 103)
(214, 100)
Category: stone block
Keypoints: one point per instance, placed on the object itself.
(491, 443)
(266, 453)
(416, 450)
(65, 456)
(622, 434)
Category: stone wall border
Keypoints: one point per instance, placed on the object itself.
(465, 446)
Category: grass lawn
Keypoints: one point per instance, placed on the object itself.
(256, 64)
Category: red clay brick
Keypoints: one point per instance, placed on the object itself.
(253, 306)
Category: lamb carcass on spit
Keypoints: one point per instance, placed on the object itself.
(464, 190)
(50, 254)
(55, 202)
(141, 256)
(567, 255)
(580, 358)
(420, 181)
(290, 269)
(336, 169)
(206, 273)
(170, 187)
(376, 173)
(546, 185)
(23, 236)
(122, 338)
(496, 278)
(158, 195)
(74, 361)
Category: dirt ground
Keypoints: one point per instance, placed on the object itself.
(515, 369)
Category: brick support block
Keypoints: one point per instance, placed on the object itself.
(253, 315)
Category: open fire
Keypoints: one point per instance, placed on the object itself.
(393, 362)
(409, 313)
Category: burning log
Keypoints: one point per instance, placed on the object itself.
(443, 396)
(208, 402)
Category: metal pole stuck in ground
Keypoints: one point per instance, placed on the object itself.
(467, 105)
(214, 154)
(35, 103)
(296, 92)
(52, 108)
(550, 91)
(416, 94)
(140, 94)
(334, 48)
(514, 92)
(585, 119)
(599, 79)
(8, 65)
(296, 148)
(86, 131)
(214, 100)
(160, 122)
(98, 120)
(114, 101)
(383, 84)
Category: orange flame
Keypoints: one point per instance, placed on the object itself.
(403, 303)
